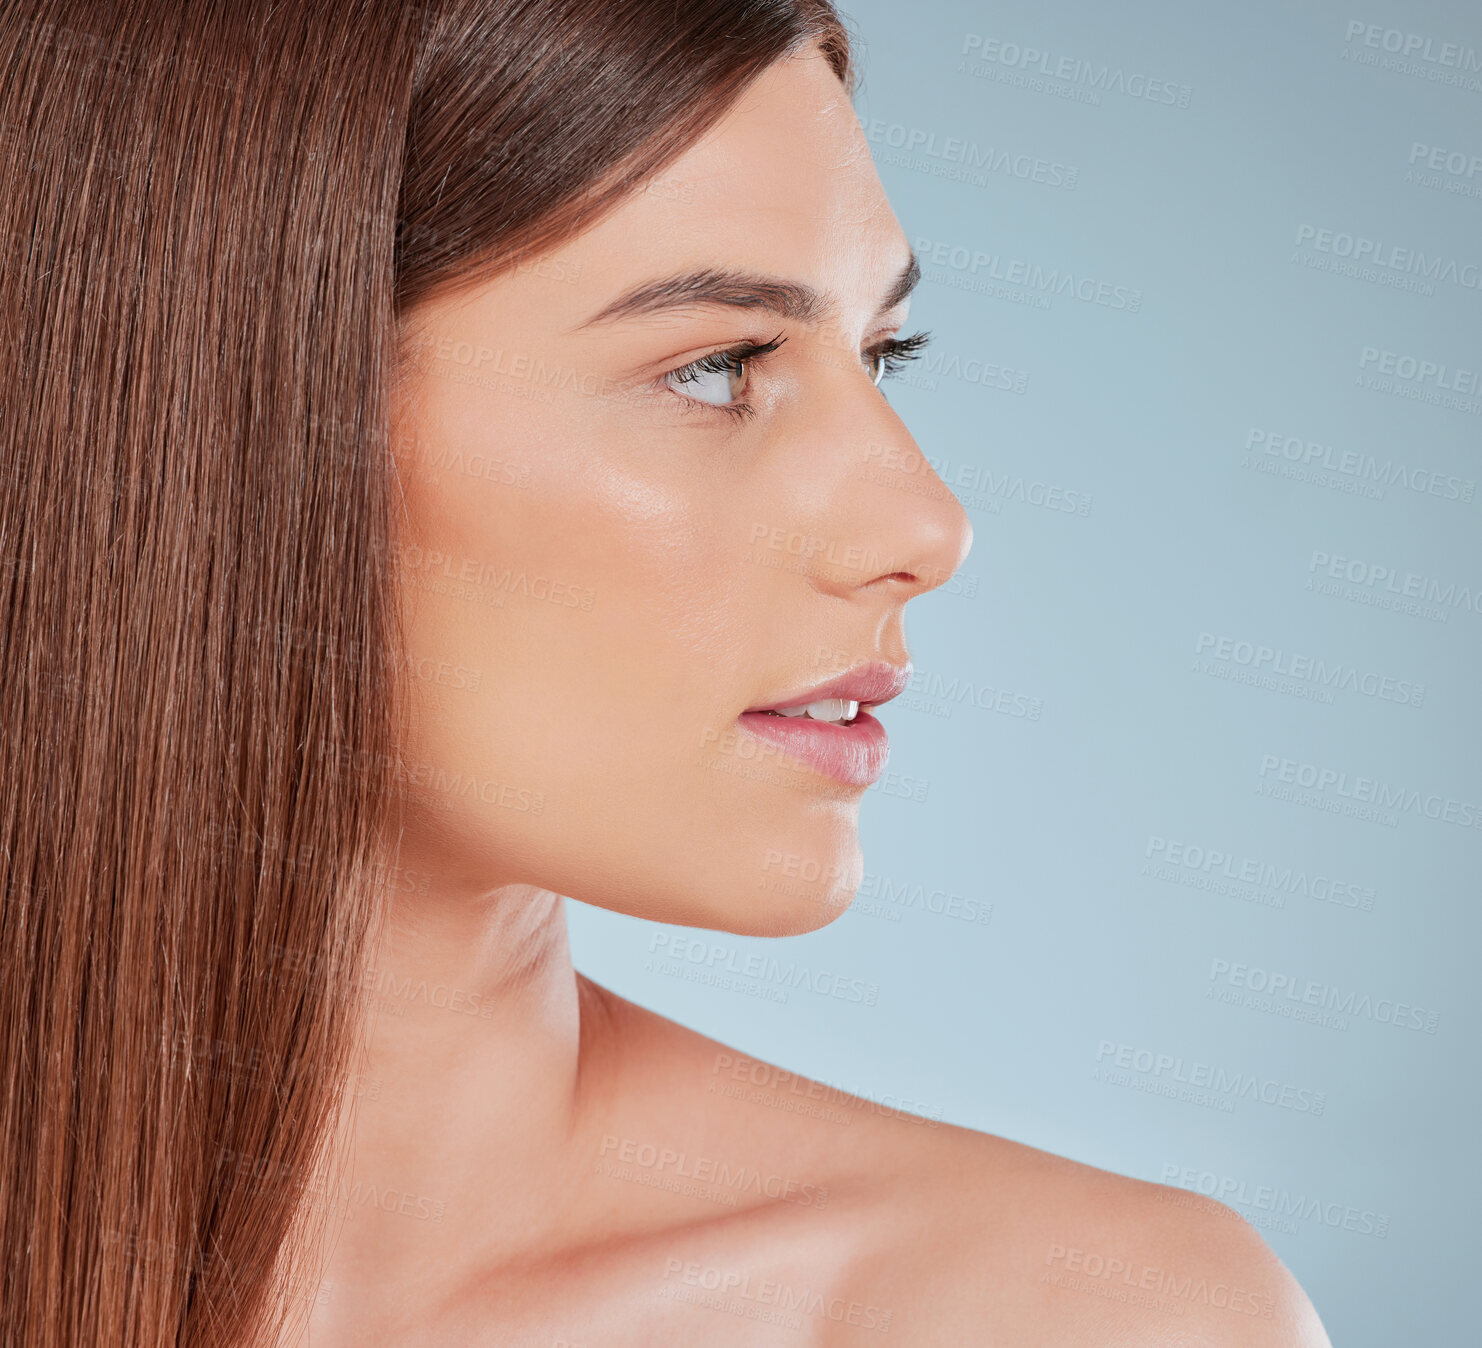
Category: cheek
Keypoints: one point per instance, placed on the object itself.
(582, 627)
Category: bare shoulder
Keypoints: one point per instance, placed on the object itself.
(956, 1236)
(1011, 1239)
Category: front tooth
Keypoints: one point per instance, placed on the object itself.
(833, 709)
(792, 711)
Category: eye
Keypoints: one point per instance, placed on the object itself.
(719, 379)
(715, 379)
(890, 356)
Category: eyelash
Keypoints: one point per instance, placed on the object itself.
(896, 352)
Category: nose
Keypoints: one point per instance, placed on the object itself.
(898, 527)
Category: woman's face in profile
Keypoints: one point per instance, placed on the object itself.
(612, 557)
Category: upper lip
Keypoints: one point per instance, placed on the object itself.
(869, 684)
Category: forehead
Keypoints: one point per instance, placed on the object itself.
(785, 179)
(783, 184)
(790, 152)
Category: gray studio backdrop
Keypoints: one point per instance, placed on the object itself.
(1176, 870)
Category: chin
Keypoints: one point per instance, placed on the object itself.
(790, 892)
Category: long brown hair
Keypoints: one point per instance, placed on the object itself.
(212, 216)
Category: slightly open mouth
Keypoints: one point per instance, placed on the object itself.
(817, 735)
(830, 710)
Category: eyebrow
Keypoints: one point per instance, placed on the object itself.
(740, 290)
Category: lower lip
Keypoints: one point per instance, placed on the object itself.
(852, 754)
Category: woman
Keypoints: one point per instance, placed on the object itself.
(445, 471)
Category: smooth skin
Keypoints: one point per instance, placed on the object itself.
(594, 591)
